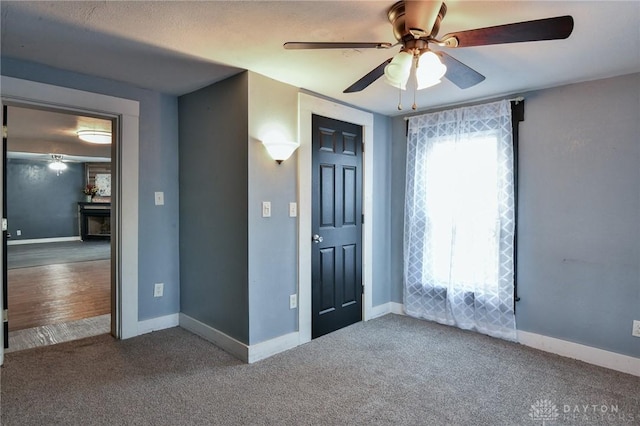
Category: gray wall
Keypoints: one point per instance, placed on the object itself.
(213, 206)
(273, 241)
(40, 203)
(579, 214)
(398, 168)
(579, 210)
(382, 248)
(158, 171)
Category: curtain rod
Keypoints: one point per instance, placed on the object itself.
(517, 100)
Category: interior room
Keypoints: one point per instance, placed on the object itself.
(58, 204)
(355, 212)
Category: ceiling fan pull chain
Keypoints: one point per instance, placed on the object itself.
(414, 106)
(399, 99)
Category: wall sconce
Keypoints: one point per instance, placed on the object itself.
(57, 164)
(94, 136)
(278, 149)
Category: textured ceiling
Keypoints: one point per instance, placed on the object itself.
(177, 47)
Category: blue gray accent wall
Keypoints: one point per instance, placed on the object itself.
(40, 203)
(273, 241)
(398, 170)
(579, 210)
(382, 207)
(579, 214)
(213, 206)
(158, 171)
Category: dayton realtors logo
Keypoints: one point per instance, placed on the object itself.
(548, 412)
(544, 411)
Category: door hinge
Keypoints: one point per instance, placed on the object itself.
(362, 219)
(5, 226)
(362, 288)
(5, 133)
(362, 146)
(5, 315)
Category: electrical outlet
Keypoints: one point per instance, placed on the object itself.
(636, 328)
(159, 198)
(158, 290)
(293, 301)
(18, 232)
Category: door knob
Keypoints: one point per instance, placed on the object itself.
(317, 239)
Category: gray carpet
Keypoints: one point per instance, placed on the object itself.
(30, 255)
(390, 371)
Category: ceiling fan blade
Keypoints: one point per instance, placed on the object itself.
(420, 15)
(337, 45)
(556, 28)
(458, 73)
(369, 78)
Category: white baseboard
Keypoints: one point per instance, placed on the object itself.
(588, 354)
(42, 240)
(246, 353)
(274, 346)
(218, 338)
(397, 308)
(379, 311)
(386, 308)
(159, 323)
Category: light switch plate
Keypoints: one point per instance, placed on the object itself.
(159, 198)
(266, 209)
(293, 209)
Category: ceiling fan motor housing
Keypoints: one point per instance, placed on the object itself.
(396, 15)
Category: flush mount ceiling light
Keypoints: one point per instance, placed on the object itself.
(57, 165)
(95, 136)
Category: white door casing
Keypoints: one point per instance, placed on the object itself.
(307, 106)
(28, 93)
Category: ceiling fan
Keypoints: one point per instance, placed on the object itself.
(416, 24)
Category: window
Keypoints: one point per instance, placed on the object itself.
(460, 219)
(461, 187)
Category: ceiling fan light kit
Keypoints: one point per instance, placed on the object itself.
(429, 70)
(397, 72)
(57, 165)
(415, 26)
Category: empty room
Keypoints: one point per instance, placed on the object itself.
(318, 212)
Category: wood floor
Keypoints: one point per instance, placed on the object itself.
(58, 293)
(57, 333)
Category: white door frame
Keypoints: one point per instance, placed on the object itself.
(307, 106)
(25, 92)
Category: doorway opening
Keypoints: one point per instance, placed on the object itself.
(59, 282)
(125, 193)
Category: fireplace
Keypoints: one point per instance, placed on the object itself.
(95, 220)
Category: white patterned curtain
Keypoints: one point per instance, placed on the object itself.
(459, 219)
